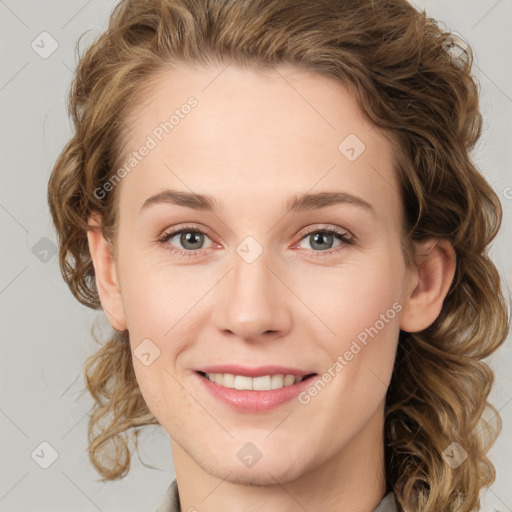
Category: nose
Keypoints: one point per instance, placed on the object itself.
(253, 303)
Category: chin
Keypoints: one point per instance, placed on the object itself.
(270, 472)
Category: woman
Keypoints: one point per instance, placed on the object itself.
(218, 146)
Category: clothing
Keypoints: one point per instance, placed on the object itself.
(171, 501)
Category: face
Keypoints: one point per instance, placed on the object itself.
(259, 284)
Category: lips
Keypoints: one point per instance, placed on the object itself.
(256, 371)
(258, 399)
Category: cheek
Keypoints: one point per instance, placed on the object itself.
(164, 395)
(156, 294)
(360, 304)
(352, 296)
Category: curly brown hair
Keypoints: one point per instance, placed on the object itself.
(395, 61)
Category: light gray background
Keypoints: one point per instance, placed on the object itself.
(46, 332)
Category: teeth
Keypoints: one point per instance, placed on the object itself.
(263, 383)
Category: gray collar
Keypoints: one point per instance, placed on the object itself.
(171, 501)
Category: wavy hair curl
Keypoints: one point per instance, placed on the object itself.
(397, 63)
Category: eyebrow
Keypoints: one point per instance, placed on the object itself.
(297, 202)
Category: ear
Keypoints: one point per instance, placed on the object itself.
(106, 276)
(429, 284)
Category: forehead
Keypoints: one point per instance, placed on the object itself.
(256, 136)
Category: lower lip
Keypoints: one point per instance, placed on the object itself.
(255, 401)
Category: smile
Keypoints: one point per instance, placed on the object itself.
(254, 394)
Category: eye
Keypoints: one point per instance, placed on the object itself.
(191, 238)
(321, 240)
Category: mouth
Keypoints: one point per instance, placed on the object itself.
(254, 390)
(269, 382)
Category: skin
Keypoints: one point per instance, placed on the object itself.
(255, 138)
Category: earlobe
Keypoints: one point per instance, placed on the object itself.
(431, 280)
(106, 276)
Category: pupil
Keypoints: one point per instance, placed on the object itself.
(189, 238)
(322, 237)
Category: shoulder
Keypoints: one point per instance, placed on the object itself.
(387, 504)
(170, 501)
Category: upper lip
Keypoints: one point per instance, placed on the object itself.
(255, 371)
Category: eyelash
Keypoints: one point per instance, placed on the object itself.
(340, 233)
